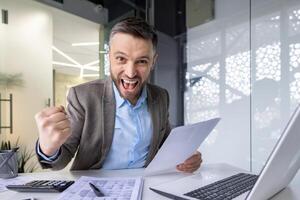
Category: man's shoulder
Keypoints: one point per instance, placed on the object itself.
(156, 88)
(97, 87)
(92, 88)
(157, 93)
(95, 83)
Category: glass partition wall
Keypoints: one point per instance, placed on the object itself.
(43, 52)
(26, 72)
(275, 74)
(218, 81)
(243, 66)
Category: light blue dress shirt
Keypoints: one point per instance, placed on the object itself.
(132, 134)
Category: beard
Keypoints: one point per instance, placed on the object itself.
(130, 91)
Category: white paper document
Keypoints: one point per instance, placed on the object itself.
(182, 143)
(112, 188)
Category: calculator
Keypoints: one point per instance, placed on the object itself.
(42, 186)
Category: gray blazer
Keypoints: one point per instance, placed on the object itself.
(92, 108)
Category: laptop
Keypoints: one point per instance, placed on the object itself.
(225, 182)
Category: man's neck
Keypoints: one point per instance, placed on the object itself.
(132, 101)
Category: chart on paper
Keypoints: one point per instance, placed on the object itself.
(112, 188)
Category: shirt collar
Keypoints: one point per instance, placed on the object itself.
(120, 100)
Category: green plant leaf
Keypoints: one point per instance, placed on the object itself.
(11, 80)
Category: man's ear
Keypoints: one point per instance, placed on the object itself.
(154, 61)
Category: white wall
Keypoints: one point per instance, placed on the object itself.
(25, 47)
(219, 52)
(275, 68)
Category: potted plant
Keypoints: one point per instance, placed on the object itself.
(23, 156)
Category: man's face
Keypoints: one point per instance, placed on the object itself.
(131, 60)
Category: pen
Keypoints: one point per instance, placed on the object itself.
(96, 190)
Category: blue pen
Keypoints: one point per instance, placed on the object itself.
(96, 190)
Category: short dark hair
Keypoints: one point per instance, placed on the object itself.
(136, 27)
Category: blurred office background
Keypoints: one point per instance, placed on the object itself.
(234, 59)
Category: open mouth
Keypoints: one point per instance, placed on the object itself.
(129, 84)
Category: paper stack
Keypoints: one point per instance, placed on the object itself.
(113, 188)
(183, 142)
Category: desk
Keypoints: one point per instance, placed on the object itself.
(292, 192)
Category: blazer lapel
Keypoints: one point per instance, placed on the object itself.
(108, 119)
(154, 112)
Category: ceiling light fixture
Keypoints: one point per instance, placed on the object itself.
(75, 63)
(91, 75)
(92, 68)
(85, 44)
(65, 55)
(91, 63)
(65, 64)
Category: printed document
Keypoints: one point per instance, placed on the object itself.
(112, 188)
(182, 143)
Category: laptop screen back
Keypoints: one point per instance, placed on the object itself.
(282, 164)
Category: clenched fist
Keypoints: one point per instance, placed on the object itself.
(54, 129)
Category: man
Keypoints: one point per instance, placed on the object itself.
(116, 123)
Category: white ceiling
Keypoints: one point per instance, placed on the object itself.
(68, 29)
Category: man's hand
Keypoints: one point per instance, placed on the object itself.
(54, 129)
(191, 164)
